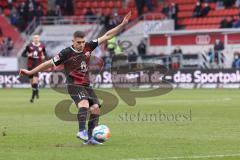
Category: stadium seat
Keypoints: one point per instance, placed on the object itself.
(102, 4)
(87, 4)
(186, 7)
(118, 4)
(94, 4)
(110, 4)
(185, 14)
(7, 12)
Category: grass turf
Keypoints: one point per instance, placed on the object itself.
(32, 131)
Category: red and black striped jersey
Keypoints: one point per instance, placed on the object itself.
(35, 54)
(76, 64)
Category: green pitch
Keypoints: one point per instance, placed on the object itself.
(183, 124)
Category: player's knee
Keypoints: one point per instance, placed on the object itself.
(94, 109)
(83, 103)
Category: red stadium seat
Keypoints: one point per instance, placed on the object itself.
(131, 3)
(107, 11)
(110, 4)
(102, 4)
(7, 12)
(87, 4)
(94, 4)
(118, 4)
(186, 7)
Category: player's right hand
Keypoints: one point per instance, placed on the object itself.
(24, 72)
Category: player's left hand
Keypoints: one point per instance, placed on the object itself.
(127, 18)
(24, 72)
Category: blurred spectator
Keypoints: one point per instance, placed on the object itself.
(1, 42)
(211, 56)
(224, 23)
(237, 23)
(173, 10)
(4, 47)
(39, 13)
(14, 16)
(9, 4)
(142, 48)
(218, 46)
(132, 56)
(8, 46)
(30, 8)
(205, 10)
(22, 11)
(237, 4)
(106, 22)
(57, 12)
(60, 4)
(197, 10)
(100, 17)
(165, 9)
(107, 63)
(175, 58)
(21, 24)
(89, 15)
(149, 5)
(229, 3)
(69, 10)
(51, 11)
(177, 50)
(236, 60)
(113, 21)
(1, 32)
(230, 22)
(140, 6)
(219, 5)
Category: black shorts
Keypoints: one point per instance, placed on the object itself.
(34, 75)
(79, 93)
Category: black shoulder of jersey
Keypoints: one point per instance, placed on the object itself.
(68, 49)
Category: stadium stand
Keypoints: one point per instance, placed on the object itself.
(17, 16)
(210, 21)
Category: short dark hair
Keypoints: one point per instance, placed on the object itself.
(79, 34)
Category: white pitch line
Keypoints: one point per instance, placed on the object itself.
(187, 157)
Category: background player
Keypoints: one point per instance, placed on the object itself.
(76, 62)
(35, 53)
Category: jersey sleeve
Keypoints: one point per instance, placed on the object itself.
(93, 44)
(24, 53)
(44, 51)
(60, 58)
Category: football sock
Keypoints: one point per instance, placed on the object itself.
(37, 91)
(82, 117)
(92, 123)
(34, 88)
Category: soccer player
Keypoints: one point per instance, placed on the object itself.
(36, 54)
(76, 62)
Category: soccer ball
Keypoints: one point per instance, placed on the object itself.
(101, 133)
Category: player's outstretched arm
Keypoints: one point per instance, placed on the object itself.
(41, 67)
(111, 33)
